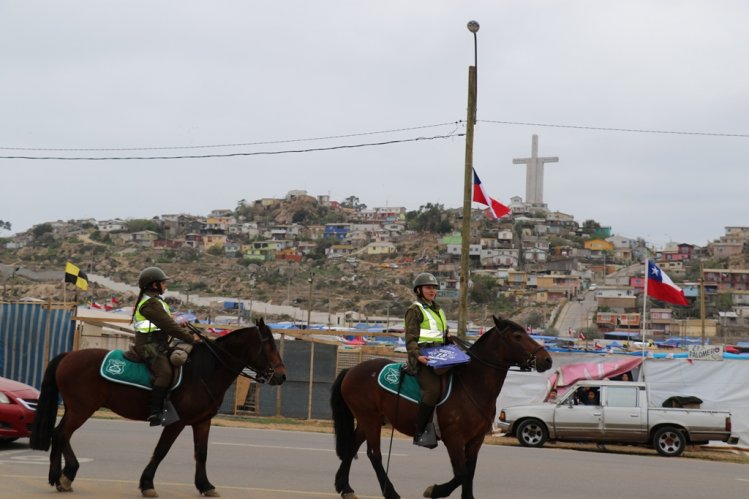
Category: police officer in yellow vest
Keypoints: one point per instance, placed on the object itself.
(154, 326)
(426, 326)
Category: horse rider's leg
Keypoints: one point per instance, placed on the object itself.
(456, 449)
(200, 440)
(168, 436)
(372, 428)
(342, 484)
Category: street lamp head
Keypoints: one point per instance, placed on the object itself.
(473, 26)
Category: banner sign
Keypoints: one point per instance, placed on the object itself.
(447, 355)
(705, 352)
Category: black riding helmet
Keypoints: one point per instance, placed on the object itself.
(150, 275)
(424, 279)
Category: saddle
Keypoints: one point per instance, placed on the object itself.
(119, 367)
(390, 375)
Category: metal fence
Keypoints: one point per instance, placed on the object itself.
(30, 335)
(33, 333)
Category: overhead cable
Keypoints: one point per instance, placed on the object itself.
(235, 154)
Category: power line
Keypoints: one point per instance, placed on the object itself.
(611, 129)
(229, 155)
(238, 144)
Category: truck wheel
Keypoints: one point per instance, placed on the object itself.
(669, 441)
(532, 433)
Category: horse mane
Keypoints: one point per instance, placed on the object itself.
(498, 321)
(203, 361)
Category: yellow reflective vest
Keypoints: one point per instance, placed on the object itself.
(433, 325)
(143, 325)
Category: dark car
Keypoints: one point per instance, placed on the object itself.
(17, 409)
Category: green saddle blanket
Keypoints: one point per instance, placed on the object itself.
(116, 367)
(390, 377)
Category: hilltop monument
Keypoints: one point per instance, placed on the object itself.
(534, 174)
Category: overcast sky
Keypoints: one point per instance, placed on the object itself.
(156, 74)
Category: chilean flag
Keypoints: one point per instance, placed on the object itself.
(661, 287)
(496, 209)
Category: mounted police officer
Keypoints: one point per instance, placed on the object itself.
(426, 326)
(154, 326)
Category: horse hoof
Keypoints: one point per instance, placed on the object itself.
(428, 491)
(348, 495)
(211, 493)
(64, 485)
(149, 493)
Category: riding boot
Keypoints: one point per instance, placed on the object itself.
(158, 395)
(425, 435)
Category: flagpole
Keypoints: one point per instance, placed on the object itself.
(644, 329)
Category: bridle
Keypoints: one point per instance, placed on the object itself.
(247, 369)
(527, 364)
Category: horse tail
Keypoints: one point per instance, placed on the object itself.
(343, 419)
(46, 408)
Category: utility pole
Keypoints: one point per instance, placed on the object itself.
(465, 245)
(310, 279)
(702, 303)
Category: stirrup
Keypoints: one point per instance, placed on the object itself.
(155, 418)
(426, 438)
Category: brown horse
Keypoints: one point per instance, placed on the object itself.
(464, 419)
(210, 370)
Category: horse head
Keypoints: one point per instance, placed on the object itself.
(275, 370)
(510, 341)
(257, 356)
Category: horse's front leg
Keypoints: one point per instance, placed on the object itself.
(472, 455)
(200, 433)
(168, 436)
(456, 448)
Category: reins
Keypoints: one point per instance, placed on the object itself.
(256, 375)
(466, 346)
(395, 416)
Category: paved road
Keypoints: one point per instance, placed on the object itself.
(575, 314)
(271, 464)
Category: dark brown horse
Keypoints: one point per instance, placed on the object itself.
(464, 419)
(210, 370)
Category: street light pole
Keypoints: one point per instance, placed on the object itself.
(473, 27)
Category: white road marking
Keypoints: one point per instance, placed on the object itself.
(281, 447)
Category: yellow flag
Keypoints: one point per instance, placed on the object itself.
(76, 276)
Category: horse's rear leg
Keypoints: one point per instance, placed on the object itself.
(168, 436)
(200, 439)
(342, 484)
(62, 478)
(372, 429)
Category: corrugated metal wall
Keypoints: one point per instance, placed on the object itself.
(24, 328)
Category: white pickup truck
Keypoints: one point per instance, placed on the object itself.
(615, 412)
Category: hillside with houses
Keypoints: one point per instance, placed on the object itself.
(357, 262)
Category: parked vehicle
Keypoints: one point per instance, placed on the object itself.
(17, 409)
(615, 412)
